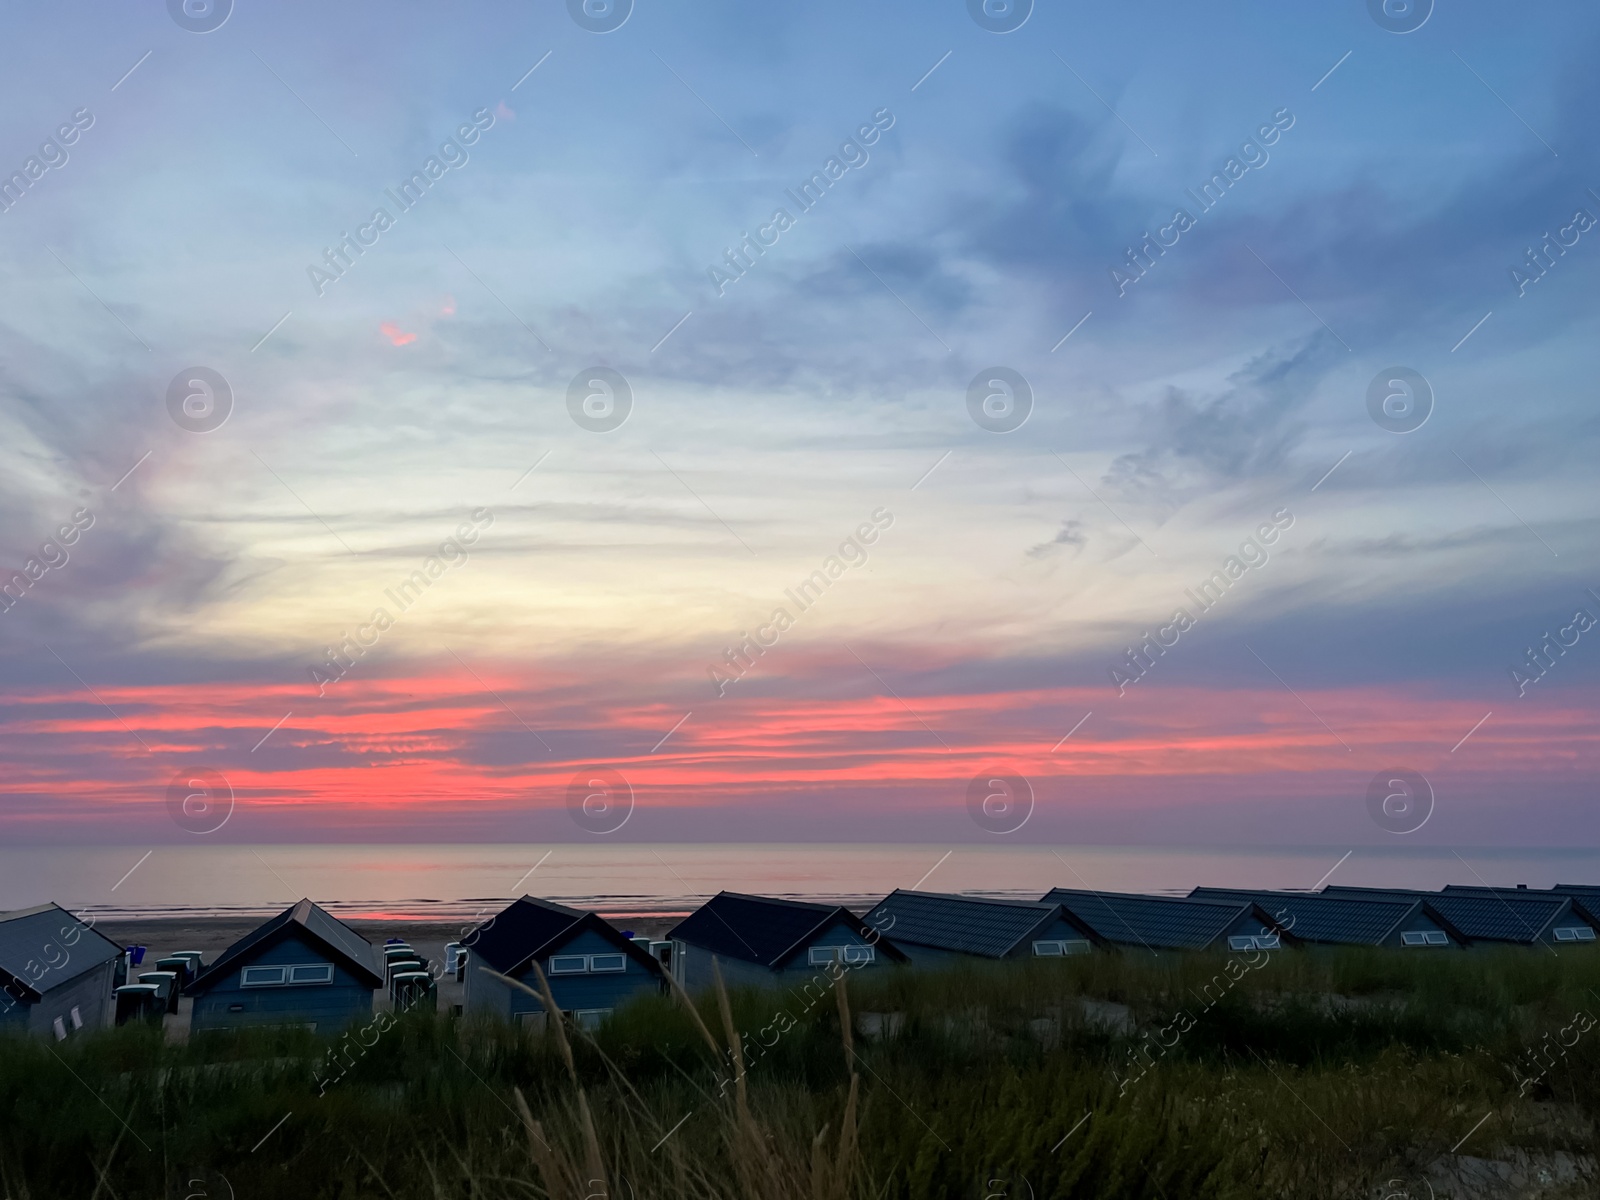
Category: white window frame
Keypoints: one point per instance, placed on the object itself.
(77, 1018)
(619, 958)
(245, 981)
(1424, 937)
(324, 973)
(1060, 947)
(1574, 933)
(852, 954)
(582, 967)
(590, 1019)
(1255, 941)
(60, 1028)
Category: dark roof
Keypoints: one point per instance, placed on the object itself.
(531, 928)
(1585, 895)
(764, 930)
(1516, 918)
(319, 926)
(1315, 917)
(37, 935)
(507, 938)
(964, 924)
(1154, 922)
(1585, 900)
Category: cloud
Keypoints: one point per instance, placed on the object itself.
(1245, 431)
(396, 337)
(1072, 533)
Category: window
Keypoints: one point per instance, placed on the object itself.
(77, 1018)
(532, 1020)
(587, 964)
(1424, 937)
(60, 1027)
(1057, 948)
(1258, 941)
(279, 976)
(821, 956)
(1574, 933)
(590, 1018)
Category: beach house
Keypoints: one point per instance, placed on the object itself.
(56, 973)
(1322, 920)
(1504, 916)
(933, 928)
(590, 966)
(1161, 924)
(304, 967)
(759, 940)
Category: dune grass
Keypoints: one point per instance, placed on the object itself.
(1305, 1075)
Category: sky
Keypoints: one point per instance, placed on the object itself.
(1181, 417)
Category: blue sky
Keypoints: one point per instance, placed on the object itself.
(830, 380)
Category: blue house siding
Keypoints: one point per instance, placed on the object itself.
(1059, 930)
(328, 1007)
(1418, 922)
(90, 993)
(696, 964)
(573, 992)
(50, 963)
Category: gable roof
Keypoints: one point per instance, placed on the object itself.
(765, 930)
(966, 924)
(1155, 922)
(1517, 918)
(1585, 900)
(317, 925)
(1342, 920)
(28, 935)
(531, 928)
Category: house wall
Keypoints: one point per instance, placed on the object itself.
(607, 990)
(1245, 925)
(1417, 921)
(329, 1007)
(1059, 930)
(695, 972)
(692, 964)
(1569, 917)
(90, 992)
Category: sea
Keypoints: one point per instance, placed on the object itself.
(466, 882)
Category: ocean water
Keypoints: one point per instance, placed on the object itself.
(464, 882)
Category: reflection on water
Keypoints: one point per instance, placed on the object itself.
(451, 883)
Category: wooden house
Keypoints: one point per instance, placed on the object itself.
(304, 967)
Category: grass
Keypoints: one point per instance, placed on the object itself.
(1311, 1075)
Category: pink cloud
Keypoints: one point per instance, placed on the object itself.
(395, 335)
(448, 308)
(504, 112)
